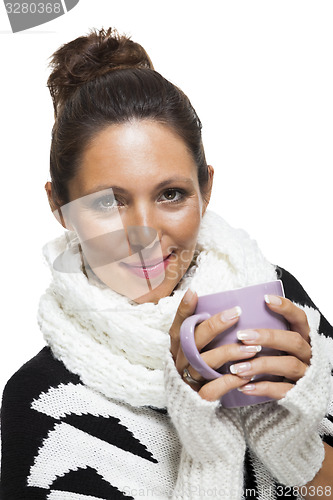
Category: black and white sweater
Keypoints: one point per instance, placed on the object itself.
(61, 440)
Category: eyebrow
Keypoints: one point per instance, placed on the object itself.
(160, 185)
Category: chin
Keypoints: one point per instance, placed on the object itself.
(155, 295)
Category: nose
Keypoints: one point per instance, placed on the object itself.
(140, 237)
(141, 225)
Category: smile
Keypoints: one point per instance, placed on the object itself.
(149, 271)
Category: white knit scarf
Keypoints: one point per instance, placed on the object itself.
(118, 347)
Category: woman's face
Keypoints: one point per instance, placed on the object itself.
(136, 208)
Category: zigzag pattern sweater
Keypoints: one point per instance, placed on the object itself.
(63, 441)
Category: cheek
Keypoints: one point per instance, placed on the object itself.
(103, 239)
(87, 226)
(183, 228)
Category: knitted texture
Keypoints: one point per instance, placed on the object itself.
(63, 440)
(116, 346)
(284, 434)
(213, 442)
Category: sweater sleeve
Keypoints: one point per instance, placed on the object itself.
(213, 445)
(22, 432)
(295, 292)
(23, 429)
(286, 435)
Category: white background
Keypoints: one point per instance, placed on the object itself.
(259, 74)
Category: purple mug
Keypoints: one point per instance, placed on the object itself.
(255, 314)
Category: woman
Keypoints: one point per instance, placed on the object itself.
(111, 408)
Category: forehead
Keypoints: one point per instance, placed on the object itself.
(135, 149)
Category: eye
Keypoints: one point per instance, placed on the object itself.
(173, 195)
(105, 203)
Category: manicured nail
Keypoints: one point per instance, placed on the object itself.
(250, 348)
(188, 296)
(231, 314)
(240, 368)
(248, 335)
(246, 388)
(273, 299)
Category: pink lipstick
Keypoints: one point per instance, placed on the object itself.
(148, 272)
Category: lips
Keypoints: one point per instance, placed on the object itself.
(149, 272)
(146, 263)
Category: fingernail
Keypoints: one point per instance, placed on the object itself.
(188, 296)
(231, 314)
(247, 387)
(250, 348)
(240, 368)
(273, 299)
(248, 335)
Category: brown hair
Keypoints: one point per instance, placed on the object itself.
(103, 79)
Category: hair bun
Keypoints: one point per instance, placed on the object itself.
(89, 57)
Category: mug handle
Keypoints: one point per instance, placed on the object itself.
(190, 349)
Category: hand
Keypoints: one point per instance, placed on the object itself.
(212, 437)
(212, 441)
(205, 332)
(296, 344)
(283, 434)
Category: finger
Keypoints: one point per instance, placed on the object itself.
(185, 309)
(291, 342)
(206, 331)
(217, 357)
(220, 386)
(295, 316)
(195, 384)
(274, 390)
(286, 366)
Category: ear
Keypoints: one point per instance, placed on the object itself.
(208, 190)
(55, 207)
